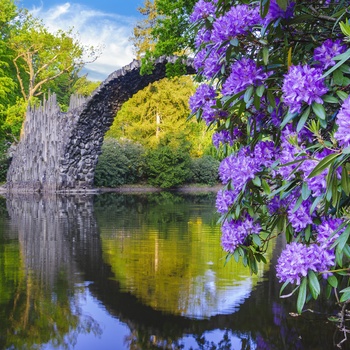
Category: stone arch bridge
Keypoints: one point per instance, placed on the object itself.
(58, 151)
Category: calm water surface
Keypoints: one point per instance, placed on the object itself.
(119, 271)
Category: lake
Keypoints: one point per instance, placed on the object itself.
(126, 271)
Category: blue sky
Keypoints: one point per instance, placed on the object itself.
(105, 24)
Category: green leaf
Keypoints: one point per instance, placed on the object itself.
(342, 239)
(343, 58)
(301, 296)
(339, 257)
(265, 186)
(345, 290)
(342, 95)
(323, 164)
(282, 4)
(314, 284)
(260, 90)
(257, 181)
(285, 284)
(248, 94)
(319, 110)
(271, 98)
(297, 204)
(345, 297)
(256, 240)
(303, 119)
(345, 184)
(315, 203)
(333, 281)
(338, 77)
(265, 53)
(236, 255)
(234, 42)
(287, 119)
(330, 99)
(305, 191)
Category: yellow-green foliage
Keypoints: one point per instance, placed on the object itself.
(159, 110)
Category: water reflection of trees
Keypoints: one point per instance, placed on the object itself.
(60, 245)
(38, 266)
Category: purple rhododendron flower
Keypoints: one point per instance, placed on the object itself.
(238, 168)
(202, 37)
(235, 232)
(297, 258)
(199, 59)
(242, 166)
(224, 136)
(202, 9)
(288, 154)
(276, 12)
(277, 205)
(303, 84)
(265, 153)
(224, 200)
(301, 217)
(209, 113)
(212, 63)
(326, 234)
(317, 184)
(238, 20)
(293, 263)
(243, 74)
(327, 51)
(204, 94)
(342, 135)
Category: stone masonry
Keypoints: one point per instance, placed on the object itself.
(58, 151)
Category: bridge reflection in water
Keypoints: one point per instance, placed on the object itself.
(151, 264)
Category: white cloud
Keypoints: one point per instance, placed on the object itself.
(108, 31)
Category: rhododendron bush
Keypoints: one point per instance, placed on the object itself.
(274, 83)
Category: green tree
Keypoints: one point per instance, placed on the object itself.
(8, 12)
(158, 110)
(40, 56)
(41, 62)
(142, 38)
(168, 165)
(121, 162)
(172, 32)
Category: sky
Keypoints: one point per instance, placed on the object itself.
(105, 24)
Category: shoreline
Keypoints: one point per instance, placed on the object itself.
(134, 189)
(153, 189)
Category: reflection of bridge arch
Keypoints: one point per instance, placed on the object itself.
(60, 233)
(59, 151)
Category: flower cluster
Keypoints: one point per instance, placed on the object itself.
(228, 26)
(224, 200)
(203, 100)
(328, 231)
(225, 136)
(202, 9)
(235, 232)
(299, 216)
(342, 135)
(276, 12)
(244, 73)
(317, 184)
(238, 169)
(303, 84)
(297, 258)
(327, 51)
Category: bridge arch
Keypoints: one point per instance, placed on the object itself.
(58, 151)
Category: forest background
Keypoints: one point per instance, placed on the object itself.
(151, 140)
